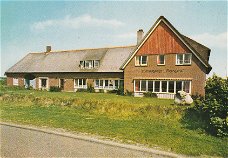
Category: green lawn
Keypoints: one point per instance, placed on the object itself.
(150, 121)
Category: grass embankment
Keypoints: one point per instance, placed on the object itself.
(149, 121)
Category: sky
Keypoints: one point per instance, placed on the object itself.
(65, 25)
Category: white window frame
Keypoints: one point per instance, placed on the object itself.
(183, 55)
(140, 60)
(90, 65)
(40, 83)
(60, 82)
(82, 66)
(15, 82)
(160, 86)
(80, 86)
(159, 59)
(98, 62)
(107, 87)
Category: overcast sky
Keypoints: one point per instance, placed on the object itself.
(30, 26)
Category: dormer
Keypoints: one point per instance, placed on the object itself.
(89, 64)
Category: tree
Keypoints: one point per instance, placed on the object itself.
(213, 108)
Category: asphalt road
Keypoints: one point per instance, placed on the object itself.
(18, 142)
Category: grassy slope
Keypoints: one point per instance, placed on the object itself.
(154, 122)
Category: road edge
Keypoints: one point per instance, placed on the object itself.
(96, 140)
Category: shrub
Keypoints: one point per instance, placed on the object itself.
(214, 107)
(82, 90)
(120, 91)
(90, 88)
(54, 89)
(129, 93)
(101, 90)
(150, 94)
(3, 81)
(113, 91)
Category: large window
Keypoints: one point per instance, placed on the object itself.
(107, 84)
(161, 60)
(80, 83)
(162, 86)
(140, 60)
(183, 59)
(15, 81)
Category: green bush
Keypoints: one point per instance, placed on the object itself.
(90, 88)
(120, 91)
(54, 89)
(82, 90)
(150, 94)
(101, 90)
(113, 91)
(213, 108)
(129, 93)
(3, 81)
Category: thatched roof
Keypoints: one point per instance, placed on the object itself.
(68, 61)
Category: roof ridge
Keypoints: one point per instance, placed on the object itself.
(73, 50)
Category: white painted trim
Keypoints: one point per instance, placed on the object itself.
(47, 84)
(161, 20)
(15, 82)
(184, 59)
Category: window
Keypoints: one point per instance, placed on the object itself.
(88, 64)
(157, 86)
(116, 84)
(161, 59)
(150, 86)
(44, 82)
(96, 63)
(106, 83)
(178, 86)
(171, 87)
(82, 64)
(101, 84)
(186, 86)
(140, 60)
(143, 85)
(80, 83)
(15, 81)
(164, 86)
(137, 85)
(183, 59)
(97, 83)
(110, 84)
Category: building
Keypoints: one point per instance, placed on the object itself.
(164, 62)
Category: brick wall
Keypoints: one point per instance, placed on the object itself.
(195, 72)
(53, 78)
(9, 81)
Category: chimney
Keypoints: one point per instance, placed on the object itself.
(48, 49)
(139, 35)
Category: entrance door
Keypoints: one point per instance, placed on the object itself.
(62, 84)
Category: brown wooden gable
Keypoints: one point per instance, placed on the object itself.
(162, 41)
